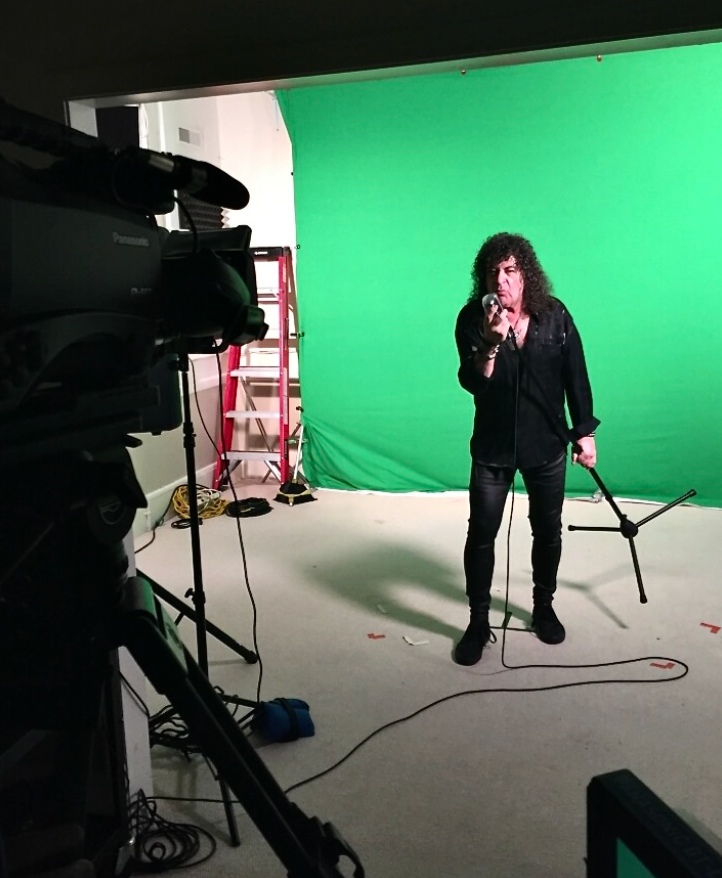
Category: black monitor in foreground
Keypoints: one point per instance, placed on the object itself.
(631, 833)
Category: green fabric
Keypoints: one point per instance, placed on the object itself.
(612, 169)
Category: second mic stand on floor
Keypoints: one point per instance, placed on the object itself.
(628, 529)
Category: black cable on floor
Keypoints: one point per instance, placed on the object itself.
(155, 527)
(224, 450)
(167, 728)
(161, 845)
(500, 691)
(505, 691)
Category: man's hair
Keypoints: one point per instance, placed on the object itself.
(504, 245)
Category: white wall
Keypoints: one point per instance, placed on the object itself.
(255, 148)
(246, 137)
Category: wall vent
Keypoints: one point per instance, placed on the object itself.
(186, 135)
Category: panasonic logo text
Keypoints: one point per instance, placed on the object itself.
(130, 241)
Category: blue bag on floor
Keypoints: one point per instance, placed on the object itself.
(283, 720)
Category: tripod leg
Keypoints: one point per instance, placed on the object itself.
(676, 502)
(230, 816)
(307, 848)
(628, 529)
(185, 610)
(638, 572)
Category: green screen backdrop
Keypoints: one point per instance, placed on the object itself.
(612, 168)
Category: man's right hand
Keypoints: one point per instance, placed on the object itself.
(496, 326)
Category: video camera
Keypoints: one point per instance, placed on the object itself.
(97, 301)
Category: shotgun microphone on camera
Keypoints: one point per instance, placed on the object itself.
(200, 179)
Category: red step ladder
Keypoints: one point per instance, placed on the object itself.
(276, 455)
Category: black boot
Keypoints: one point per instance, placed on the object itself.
(468, 650)
(544, 621)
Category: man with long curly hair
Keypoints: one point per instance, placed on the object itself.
(522, 359)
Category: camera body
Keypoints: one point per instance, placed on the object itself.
(97, 302)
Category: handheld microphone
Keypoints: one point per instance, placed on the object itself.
(488, 302)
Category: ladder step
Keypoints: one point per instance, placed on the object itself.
(268, 253)
(263, 369)
(255, 372)
(252, 414)
(252, 455)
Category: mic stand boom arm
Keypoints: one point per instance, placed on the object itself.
(628, 529)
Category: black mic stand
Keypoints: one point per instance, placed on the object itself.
(628, 529)
(197, 593)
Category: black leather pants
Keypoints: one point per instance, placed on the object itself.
(488, 490)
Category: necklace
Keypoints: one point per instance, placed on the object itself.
(521, 322)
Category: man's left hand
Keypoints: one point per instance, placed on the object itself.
(587, 455)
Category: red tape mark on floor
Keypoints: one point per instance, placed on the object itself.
(660, 665)
(375, 636)
(715, 629)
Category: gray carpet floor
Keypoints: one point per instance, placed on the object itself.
(359, 600)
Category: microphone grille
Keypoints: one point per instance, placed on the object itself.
(489, 300)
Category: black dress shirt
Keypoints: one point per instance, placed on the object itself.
(549, 368)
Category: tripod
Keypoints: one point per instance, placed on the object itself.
(67, 603)
(197, 593)
(185, 611)
(627, 528)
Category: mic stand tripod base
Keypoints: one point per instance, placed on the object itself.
(628, 529)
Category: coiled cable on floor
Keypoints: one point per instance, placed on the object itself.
(159, 844)
(210, 504)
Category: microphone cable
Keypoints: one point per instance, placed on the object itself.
(223, 451)
(508, 615)
(513, 690)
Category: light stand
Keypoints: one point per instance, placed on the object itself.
(628, 529)
(197, 593)
(185, 611)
